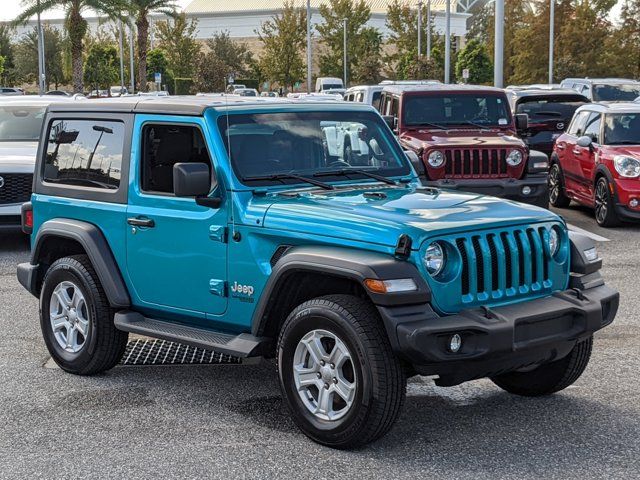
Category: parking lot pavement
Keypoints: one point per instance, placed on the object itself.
(230, 421)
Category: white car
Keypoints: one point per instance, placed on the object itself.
(11, 91)
(20, 125)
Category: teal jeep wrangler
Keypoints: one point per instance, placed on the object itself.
(229, 224)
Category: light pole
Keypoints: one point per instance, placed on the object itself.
(41, 63)
(420, 29)
(551, 35)
(498, 58)
(447, 44)
(121, 42)
(133, 84)
(344, 48)
(309, 46)
(428, 29)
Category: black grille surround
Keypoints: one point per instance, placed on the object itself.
(15, 188)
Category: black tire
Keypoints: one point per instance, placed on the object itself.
(604, 206)
(103, 345)
(380, 383)
(550, 377)
(557, 195)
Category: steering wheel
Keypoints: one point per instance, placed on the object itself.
(339, 163)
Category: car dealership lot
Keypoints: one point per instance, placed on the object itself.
(229, 421)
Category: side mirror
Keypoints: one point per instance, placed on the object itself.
(391, 121)
(416, 162)
(522, 121)
(191, 179)
(585, 141)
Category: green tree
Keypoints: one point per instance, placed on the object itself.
(141, 9)
(360, 39)
(368, 69)
(177, 38)
(26, 56)
(623, 46)
(225, 57)
(101, 69)
(7, 51)
(284, 40)
(2, 60)
(475, 58)
(75, 24)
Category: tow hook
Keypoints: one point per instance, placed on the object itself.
(579, 295)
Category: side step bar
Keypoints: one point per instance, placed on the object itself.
(242, 345)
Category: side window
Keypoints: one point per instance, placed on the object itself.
(376, 100)
(359, 97)
(85, 153)
(395, 106)
(165, 145)
(577, 126)
(592, 128)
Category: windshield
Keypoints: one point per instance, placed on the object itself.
(331, 86)
(456, 109)
(310, 143)
(562, 107)
(20, 123)
(622, 129)
(616, 93)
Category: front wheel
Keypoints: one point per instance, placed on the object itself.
(550, 377)
(604, 206)
(341, 381)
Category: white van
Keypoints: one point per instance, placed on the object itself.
(328, 83)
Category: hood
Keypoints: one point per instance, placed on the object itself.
(18, 153)
(380, 214)
(457, 138)
(628, 150)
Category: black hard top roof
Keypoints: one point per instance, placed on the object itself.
(178, 105)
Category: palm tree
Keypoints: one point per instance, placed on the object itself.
(75, 24)
(140, 10)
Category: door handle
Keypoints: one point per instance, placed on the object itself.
(141, 222)
(576, 151)
(560, 146)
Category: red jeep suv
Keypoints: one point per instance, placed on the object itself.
(597, 162)
(465, 138)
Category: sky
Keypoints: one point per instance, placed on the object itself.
(10, 8)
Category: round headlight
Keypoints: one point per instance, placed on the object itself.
(554, 241)
(514, 158)
(434, 259)
(627, 167)
(436, 159)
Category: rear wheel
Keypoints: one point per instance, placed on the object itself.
(76, 319)
(557, 196)
(604, 207)
(342, 382)
(550, 377)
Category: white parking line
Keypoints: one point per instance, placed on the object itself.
(589, 234)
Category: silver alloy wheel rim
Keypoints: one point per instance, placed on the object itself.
(325, 380)
(554, 187)
(601, 201)
(68, 313)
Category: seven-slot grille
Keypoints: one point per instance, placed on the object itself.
(16, 188)
(501, 264)
(475, 162)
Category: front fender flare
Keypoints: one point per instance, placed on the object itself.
(346, 263)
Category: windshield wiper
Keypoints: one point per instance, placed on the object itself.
(429, 124)
(289, 176)
(482, 127)
(357, 171)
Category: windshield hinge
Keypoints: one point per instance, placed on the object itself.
(218, 233)
(403, 247)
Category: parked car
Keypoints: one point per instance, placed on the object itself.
(604, 89)
(328, 83)
(235, 86)
(549, 112)
(369, 94)
(246, 92)
(9, 91)
(269, 94)
(60, 93)
(465, 136)
(353, 277)
(21, 120)
(118, 91)
(597, 162)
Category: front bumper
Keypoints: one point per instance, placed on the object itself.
(500, 339)
(509, 188)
